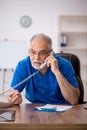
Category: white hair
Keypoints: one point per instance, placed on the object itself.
(45, 37)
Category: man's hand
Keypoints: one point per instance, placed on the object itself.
(53, 63)
(14, 97)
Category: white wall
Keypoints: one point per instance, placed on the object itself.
(44, 14)
(11, 52)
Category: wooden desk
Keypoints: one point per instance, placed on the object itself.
(28, 119)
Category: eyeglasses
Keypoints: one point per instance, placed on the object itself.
(41, 53)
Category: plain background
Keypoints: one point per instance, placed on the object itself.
(44, 15)
(14, 39)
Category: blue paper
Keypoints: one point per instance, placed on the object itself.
(53, 108)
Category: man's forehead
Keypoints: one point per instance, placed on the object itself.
(33, 49)
(39, 43)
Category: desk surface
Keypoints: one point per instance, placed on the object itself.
(27, 118)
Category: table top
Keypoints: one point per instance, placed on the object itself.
(26, 115)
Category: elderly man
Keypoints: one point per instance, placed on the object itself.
(54, 83)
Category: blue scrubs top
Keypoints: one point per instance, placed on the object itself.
(43, 88)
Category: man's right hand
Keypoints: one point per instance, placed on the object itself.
(14, 97)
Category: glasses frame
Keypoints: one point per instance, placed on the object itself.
(41, 53)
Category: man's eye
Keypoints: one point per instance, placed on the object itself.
(42, 53)
(32, 52)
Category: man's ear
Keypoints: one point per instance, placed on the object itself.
(52, 52)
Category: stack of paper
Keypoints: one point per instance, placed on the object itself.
(54, 108)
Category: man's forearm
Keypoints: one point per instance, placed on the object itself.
(70, 93)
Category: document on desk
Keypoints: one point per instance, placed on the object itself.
(7, 115)
(54, 108)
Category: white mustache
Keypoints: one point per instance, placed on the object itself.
(36, 61)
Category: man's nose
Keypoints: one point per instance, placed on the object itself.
(37, 56)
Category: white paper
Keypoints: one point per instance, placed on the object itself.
(57, 108)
